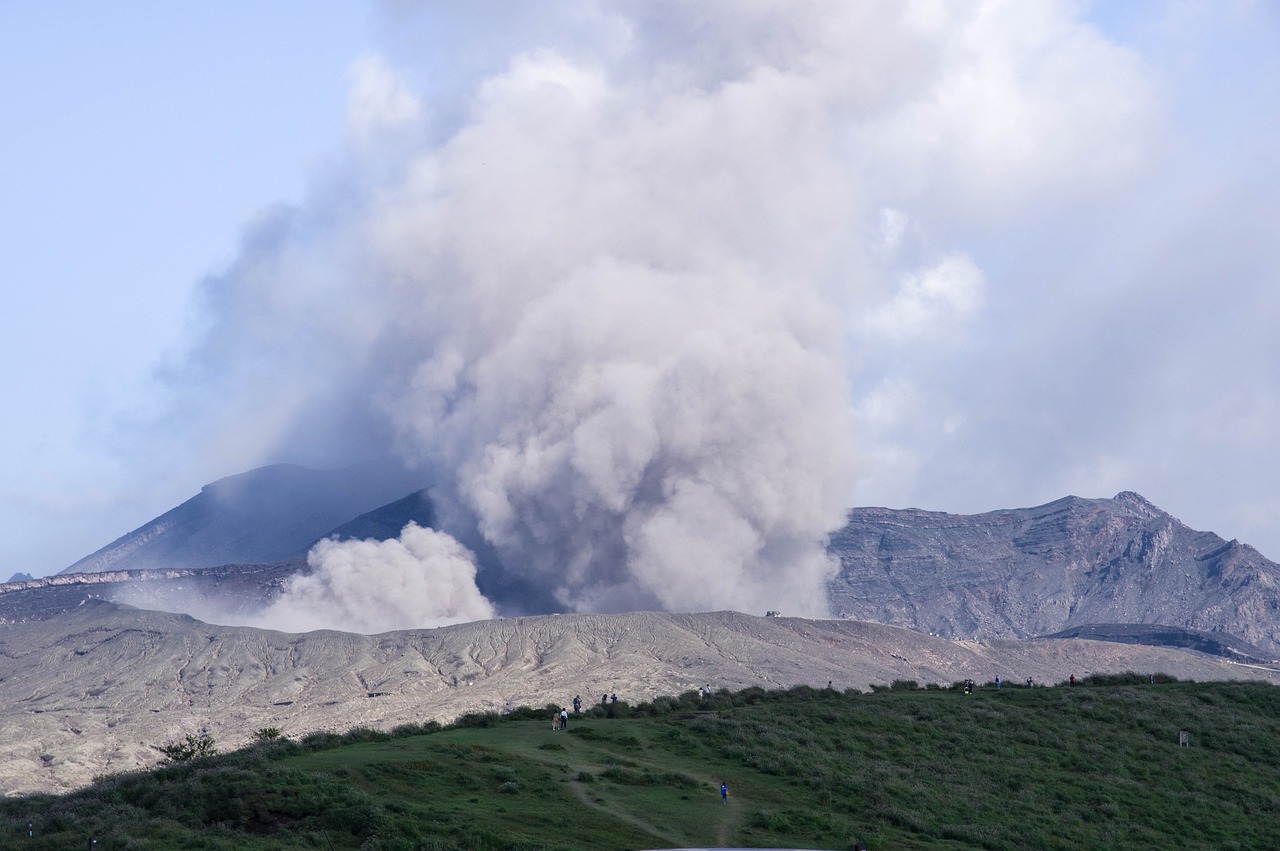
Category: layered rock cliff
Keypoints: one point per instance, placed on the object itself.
(1035, 571)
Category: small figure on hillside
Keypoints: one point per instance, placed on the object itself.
(577, 703)
(613, 698)
(1073, 681)
(724, 793)
(604, 699)
(555, 720)
(1030, 683)
(968, 686)
(828, 685)
(997, 682)
(564, 719)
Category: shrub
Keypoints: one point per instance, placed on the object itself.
(190, 747)
(266, 734)
(405, 730)
(358, 735)
(477, 719)
(321, 741)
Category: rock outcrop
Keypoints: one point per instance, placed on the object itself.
(1036, 571)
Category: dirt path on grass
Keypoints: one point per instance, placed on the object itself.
(580, 792)
(729, 821)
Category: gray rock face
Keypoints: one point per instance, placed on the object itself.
(90, 691)
(1036, 571)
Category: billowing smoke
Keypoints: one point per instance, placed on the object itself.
(602, 301)
(422, 579)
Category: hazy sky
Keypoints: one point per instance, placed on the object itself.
(950, 256)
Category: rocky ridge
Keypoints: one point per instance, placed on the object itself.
(1035, 571)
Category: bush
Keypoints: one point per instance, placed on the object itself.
(357, 735)
(321, 741)
(192, 746)
(1128, 678)
(477, 719)
(266, 734)
(405, 730)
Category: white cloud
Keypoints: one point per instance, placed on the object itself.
(932, 303)
(422, 579)
(379, 106)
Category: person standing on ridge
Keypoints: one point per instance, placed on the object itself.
(724, 793)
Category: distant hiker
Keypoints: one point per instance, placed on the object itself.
(1029, 683)
(997, 682)
(564, 719)
(1073, 681)
(555, 720)
(604, 700)
(828, 685)
(577, 703)
(724, 793)
(613, 698)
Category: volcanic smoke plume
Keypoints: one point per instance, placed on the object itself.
(422, 579)
(602, 297)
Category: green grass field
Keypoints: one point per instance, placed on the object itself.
(1097, 766)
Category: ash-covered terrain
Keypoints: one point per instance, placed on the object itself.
(92, 690)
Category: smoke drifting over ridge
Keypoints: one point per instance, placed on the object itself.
(422, 579)
(608, 311)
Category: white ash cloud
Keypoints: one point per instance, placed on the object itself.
(607, 307)
(422, 579)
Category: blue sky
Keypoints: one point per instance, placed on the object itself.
(139, 140)
(234, 235)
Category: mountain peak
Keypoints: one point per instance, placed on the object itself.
(1036, 571)
(1138, 501)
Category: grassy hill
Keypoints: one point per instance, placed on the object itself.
(1097, 766)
